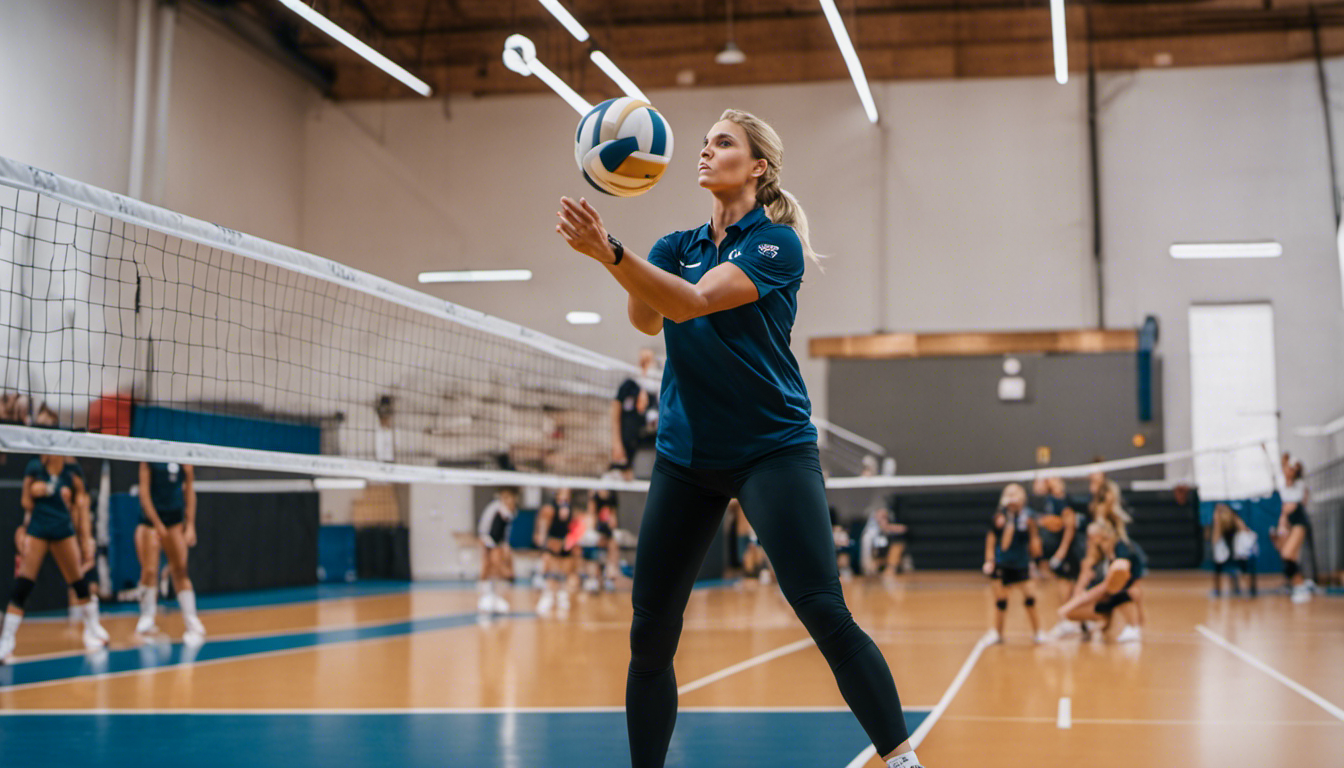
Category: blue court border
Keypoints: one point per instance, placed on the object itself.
(547, 739)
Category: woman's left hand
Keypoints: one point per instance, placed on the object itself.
(189, 535)
(581, 226)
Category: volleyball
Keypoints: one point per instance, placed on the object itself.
(623, 146)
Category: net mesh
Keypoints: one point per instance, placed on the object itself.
(113, 325)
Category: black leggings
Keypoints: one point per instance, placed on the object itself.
(785, 500)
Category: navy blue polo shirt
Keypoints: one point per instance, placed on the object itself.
(731, 390)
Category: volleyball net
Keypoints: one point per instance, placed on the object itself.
(146, 334)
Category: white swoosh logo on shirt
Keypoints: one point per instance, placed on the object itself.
(684, 265)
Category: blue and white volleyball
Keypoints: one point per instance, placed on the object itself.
(623, 146)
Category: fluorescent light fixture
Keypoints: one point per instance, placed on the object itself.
(1266, 250)
(561, 15)
(476, 276)
(1061, 41)
(520, 55)
(614, 72)
(583, 318)
(851, 58)
(358, 46)
(339, 484)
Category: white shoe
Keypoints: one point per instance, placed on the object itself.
(1301, 594)
(590, 585)
(193, 638)
(146, 626)
(100, 633)
(1039, 638)
(92, 641)
(609, 584)
(194, 625)
(546, 603)
(994, 637)
(1130, 634)
(6, 650)
(1066, 628)
(562, 600)
(499, 604)
(765, 577)
(539, 580)
(486, 603)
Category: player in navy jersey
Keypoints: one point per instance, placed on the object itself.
(49, 494)
(1114, 585)
(1010, 544)
(734, 422)
(559, 556)
(167, 523)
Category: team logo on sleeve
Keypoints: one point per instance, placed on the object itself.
(734, 254)
(769, 250)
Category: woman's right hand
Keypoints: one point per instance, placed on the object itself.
(988, 568)
(161, 531)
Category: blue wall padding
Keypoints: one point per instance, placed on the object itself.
(122, 561)
(232, 431)
(336, 553)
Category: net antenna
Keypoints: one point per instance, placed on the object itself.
(159, 337)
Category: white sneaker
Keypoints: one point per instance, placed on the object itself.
(194, 625)
(6, 650)
(765, 577)
(1301, 594)
(146, 626)
(994, 637)
(92, 641)
(1039, 638)
(499, 604)
(193, 638)
(1066, 628)
(486, 603)
(100, 633)
(1130, 634)
(546, 603)
(609, 584)
(590, 585)
(562, 600)
(538, 580)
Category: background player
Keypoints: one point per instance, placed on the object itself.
(167, 520)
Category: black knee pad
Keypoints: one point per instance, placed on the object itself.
(1290, 568)
(23, 587)
(652, 645)
(81, 587)
(1002, 605)
(1029, 602)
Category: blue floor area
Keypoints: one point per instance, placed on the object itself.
(493, 740)
(167, 655)
(291, 595)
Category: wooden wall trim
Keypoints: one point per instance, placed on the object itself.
(881, 346)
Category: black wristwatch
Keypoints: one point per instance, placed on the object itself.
(617, 247)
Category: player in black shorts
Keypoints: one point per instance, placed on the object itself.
(1234, 547)
(167, 521)
(629, 415)
(1115, 585)
(49, 492)
(559, 555)
(81, 511)
(1063, 541)
(1010, 544)
(496, 555)
(1291, 531)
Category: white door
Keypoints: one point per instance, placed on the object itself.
(1233, 398)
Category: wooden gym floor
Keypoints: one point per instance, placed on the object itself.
(407, 675)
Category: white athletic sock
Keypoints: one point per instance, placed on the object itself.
(12, 622)
(904, 760)
(187, 600)
(149, 602)
(91, 613)
(485, 587)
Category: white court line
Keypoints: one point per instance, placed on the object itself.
(1274, 673)
(749, 663)
(1065, 719)
(1134, 721)
(922, 731)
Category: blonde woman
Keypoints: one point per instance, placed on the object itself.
(734, 422)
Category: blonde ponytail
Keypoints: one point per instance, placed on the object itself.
(780, 204)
